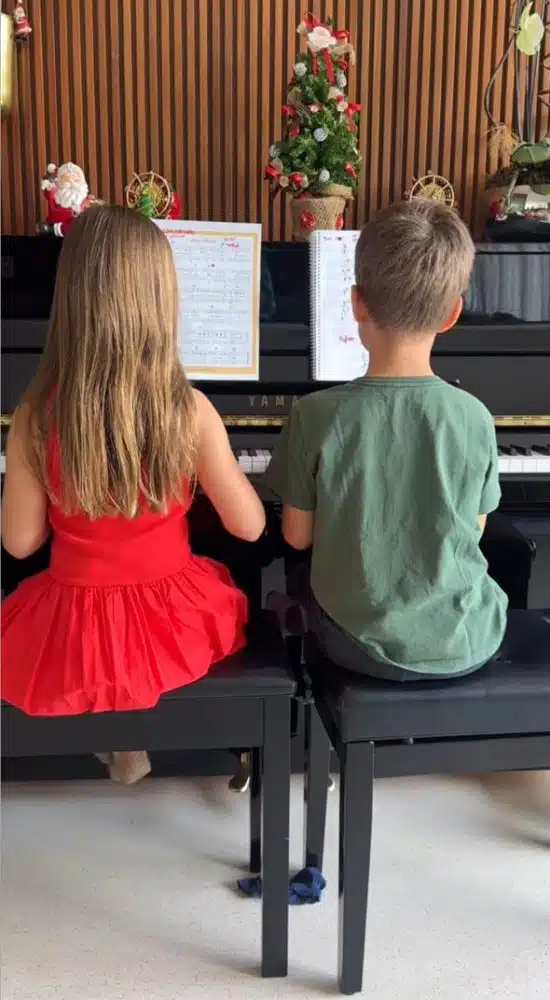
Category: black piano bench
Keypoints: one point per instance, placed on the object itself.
(494, 720)
(244, 700)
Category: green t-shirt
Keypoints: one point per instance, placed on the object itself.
(396, 471)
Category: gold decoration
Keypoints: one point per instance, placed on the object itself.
(434, 187)
(159, 188)
(502, 141)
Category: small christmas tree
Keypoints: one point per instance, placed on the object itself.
(318, 151)
(146, 203)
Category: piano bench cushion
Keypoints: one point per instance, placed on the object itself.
(501, 699)
(224, 709)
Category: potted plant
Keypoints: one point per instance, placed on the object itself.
(519, 192)
(317, 159)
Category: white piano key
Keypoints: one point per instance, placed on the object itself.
(503, 465)
(245, 461)
(257, 462)
(2, 464)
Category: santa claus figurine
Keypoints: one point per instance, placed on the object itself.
(22, 27)
(67, 194)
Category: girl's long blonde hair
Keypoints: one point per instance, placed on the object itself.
(110, 382)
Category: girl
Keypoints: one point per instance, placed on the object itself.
(103, 453)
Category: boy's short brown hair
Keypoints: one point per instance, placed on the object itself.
(413, 262)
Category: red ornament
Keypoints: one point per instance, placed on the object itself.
(342, 35)
(307, 220)
(344, 64)
(329, 65)
(354, 109)
(350, 169)
(340, 99)
(339, 224)
(297, 179)
(174, 212)
(294, 131)
(288, 110)
(271, 172)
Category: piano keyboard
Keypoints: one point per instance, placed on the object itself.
(512, 461)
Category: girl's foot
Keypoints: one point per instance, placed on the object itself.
(126, 766)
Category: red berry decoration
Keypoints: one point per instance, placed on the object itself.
(350, 170)
(307, 220)
(339, 224)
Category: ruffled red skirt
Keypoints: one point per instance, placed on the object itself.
(71, 649)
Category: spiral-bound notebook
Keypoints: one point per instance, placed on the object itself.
(336, 350)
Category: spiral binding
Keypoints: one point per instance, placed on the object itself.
(315, 302)
(324, 249)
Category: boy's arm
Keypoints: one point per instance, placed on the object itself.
(291, 476)
(297, 527)
(490, 492)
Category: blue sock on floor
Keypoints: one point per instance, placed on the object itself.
(305, 887)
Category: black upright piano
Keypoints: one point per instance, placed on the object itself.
(499, 351)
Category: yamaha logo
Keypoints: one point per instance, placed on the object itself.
(276, 402)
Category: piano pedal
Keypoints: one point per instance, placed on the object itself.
(240, 782)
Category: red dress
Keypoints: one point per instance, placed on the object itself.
(124, 613)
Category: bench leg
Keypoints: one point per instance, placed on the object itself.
(275, 836)
(316, 781)
(356, 788)
(256, 811)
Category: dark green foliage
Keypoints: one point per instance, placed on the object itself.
(300, 152)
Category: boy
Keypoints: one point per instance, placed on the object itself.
(390, 478)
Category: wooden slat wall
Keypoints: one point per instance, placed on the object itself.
(193, 89)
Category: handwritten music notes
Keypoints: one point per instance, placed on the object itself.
(338, 354)
(218, 268)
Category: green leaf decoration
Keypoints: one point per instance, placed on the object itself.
(531, 31)
(146, 203)
(531, 153)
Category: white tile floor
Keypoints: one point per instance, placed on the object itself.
(127, 894)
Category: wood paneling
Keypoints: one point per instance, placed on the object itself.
(193, 89)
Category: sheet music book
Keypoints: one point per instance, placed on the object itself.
(218, 268)
(337, 352)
